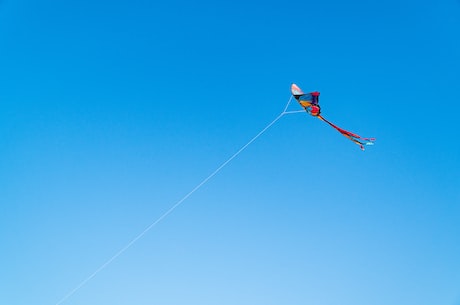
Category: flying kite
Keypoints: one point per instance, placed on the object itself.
(310, 102)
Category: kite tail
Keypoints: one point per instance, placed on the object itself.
(357, 139)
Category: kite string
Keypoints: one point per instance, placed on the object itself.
(173, 207)
(287, 105)
(291, 112)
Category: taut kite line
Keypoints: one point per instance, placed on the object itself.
(172, 208)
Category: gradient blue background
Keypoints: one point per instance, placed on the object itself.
(111, 111)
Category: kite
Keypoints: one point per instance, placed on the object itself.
(310, 102)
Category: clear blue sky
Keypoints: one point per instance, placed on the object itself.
(111, 111)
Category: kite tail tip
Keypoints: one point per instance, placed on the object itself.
(362, 146)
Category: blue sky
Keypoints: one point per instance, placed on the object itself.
(111, 111)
